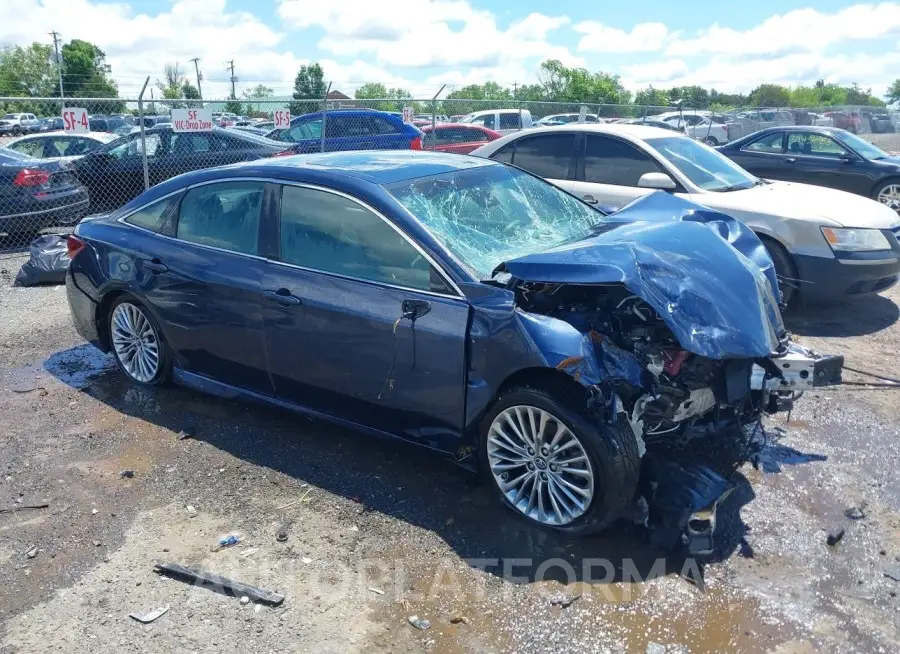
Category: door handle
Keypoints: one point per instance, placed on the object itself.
(283, 297)
(590, 199)
(790, 160)
(413, 309)
(155, 266)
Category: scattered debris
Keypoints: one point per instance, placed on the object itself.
(245, 600)
(461, 619)
(892, 572)
(306, 559)
(43, 391)
(856, 512)
(281, 534)
(94, 512)
(228, 541)
(205, 579)
(24, 507)
(834, 535)
(419, 623)
(858, 593)
(250, 551)
(565, 602)
(31, 552)
(377, 591)
(97, 543)
(300, 499)
(191, 511)
(150, 616)
(185, 433)
(257, 608)
(129, 474)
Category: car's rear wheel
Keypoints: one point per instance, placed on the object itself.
(711, 141)
(137, 343)
(556, 466)
(16, 131)
(888, 193)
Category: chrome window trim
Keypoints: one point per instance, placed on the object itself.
(270, 180)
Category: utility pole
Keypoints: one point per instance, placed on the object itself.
(233, 78)
(197, 70)
(56, 38)
(515, 90)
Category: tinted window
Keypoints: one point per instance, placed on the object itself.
(222, 215)
(487, 120)
(31, 147)
(328, 232)
(307, 129)
(816, 145)
(611, 161)
(153, 217)
(547, 156)
(510, 121)
(184, 143)
(768, 143)
(505, 154)
(132, 147)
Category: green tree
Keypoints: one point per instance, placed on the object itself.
(770, 95)
(563, 84)
(893, 93)
(26, 71)
(259, 92)
(652, 97)
(85, 75)
(308, 85)
(192, 94)
(172, 84)
(694, 97)
(391, 99)
(234, 107)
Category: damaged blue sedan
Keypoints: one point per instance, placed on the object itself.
(586, 363)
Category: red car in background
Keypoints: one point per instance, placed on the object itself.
(456, 137)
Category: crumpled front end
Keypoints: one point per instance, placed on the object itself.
(673, 326)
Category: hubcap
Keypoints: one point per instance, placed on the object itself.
(539, 465)
(135, 342)
(890, 195)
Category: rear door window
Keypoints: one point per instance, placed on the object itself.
(31, 147)
(154, 216)
(611, 161)
(510, 121)
(548, 155)
(771, 143)
(487, 120)
(223, 215)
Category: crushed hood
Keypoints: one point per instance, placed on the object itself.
(707, 275)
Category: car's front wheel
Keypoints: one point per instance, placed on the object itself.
(555, 465)
(711, 141)
(137, 344)
(888, 193)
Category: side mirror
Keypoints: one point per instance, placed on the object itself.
(846, 157)
(659, 181)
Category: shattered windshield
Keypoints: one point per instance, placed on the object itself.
(491, 214)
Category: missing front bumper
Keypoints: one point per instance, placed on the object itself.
(799, 369)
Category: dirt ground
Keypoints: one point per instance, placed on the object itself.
(376, 532)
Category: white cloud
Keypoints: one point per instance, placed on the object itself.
(645, 37)
(426, 33)
(803, 30)
(732, 76)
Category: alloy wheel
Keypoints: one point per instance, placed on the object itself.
(540, 465)
(135, 342)
(890, 195)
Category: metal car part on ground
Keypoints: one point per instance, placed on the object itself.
(826, 244)
(492, 317)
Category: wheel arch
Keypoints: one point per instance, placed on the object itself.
(895, 178)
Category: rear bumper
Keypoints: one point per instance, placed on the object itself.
(829, 279)
(65, 208)
(84, 313)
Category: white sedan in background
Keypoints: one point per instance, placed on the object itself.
(61, 146)
(826, 244)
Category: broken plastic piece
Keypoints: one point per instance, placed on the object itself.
(212, 581)
(150, 616)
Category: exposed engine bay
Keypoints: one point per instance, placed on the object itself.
(695, 419)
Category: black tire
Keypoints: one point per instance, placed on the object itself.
(784, 270)
(164, 367)
(711, 141)
(612, 450)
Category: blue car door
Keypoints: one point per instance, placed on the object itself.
(203, 283)
(359, 324)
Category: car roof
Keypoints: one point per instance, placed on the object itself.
(482, 112)
(97, 136)
(639, 132)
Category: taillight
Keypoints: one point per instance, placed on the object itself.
(31, 177)
(416, 143)
(74, 245)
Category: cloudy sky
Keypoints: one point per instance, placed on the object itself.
(421, 44)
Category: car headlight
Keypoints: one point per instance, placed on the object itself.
(855, 240)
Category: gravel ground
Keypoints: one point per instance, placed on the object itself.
(376, 533)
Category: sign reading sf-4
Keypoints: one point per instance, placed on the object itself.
(75, 120)
(192, 120)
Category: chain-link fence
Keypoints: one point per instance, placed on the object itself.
(61, 163)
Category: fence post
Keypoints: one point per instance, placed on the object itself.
(324, 118)
(143, 135)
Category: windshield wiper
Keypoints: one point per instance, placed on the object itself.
(734, 187)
